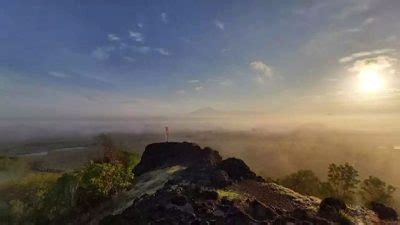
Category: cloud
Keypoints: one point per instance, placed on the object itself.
(193, 81)
(113, 37)
(141, 49)
(219, 24)
(164, 17)
(226, 82)
(137, 36)
(181, 92)
(369, 20)
(379, 63)
(354, 7)
(59, 74)
(199, 88)
(263, 71)
(102, 53)
(140, 25)
(163, 51)
(129, 59)
(362, 54)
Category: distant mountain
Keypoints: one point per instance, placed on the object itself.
(206, 111)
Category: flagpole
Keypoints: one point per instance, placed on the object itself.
(166, 134)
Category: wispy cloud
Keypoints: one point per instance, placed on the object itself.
(137, 36)
(369, 20)
(59, 74)
(193, 81)
(129, 59)
(103, 53)
(199, 88)
(140, 25)
(380, 63)
(141, 49)
(163, 51)
(354, 8)
(181, 92)
(358, 55)
(218, 23)
(164, 17)
(263, 71)
(113, 37)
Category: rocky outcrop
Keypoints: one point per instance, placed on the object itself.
(159, 155)
(209, 190)
(238, 170)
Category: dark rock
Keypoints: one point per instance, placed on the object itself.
(260, 212)
(159, 155)
(208, 195)
(384, 212)
(220, 178)
(178, 200)
(332, 204)
(237, 170)
(301, 214)
(331, 208)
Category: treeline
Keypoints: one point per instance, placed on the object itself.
(343, 182)
(50, 198)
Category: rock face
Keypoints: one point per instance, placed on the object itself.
(167, 154)
(238, 170)
(214, 191)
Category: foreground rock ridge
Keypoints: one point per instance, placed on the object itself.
(202, 188)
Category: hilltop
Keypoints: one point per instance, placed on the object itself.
(182, 183)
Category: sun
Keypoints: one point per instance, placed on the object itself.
(370, 80)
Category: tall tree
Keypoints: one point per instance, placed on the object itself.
(343, 180)
(375, 190)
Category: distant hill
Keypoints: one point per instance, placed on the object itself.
(206, 111)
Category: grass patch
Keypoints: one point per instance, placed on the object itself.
(229, 194)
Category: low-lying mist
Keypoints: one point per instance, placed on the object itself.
(272, 145)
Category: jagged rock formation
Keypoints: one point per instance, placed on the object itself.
(209, 190)
(167, 154)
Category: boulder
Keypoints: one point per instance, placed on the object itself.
(259, 211)
(384, 212)
(332, 204)
(161, 155)
(238, 170)
(331, 208)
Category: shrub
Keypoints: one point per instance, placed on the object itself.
(303, 181)
(129, 159)
(375, 190)
(101, 180)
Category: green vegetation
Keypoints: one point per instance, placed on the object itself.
(375, 190)
(44, 198)
(303, 181)
(229, 194)
(343, 183)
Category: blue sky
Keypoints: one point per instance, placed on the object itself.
(127, 58)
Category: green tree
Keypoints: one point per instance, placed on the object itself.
(303, 181)
(104, 179)
(375, 190)
(343, 181)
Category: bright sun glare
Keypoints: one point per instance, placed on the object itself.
(370, 80)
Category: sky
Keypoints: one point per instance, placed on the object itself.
(133, 58)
